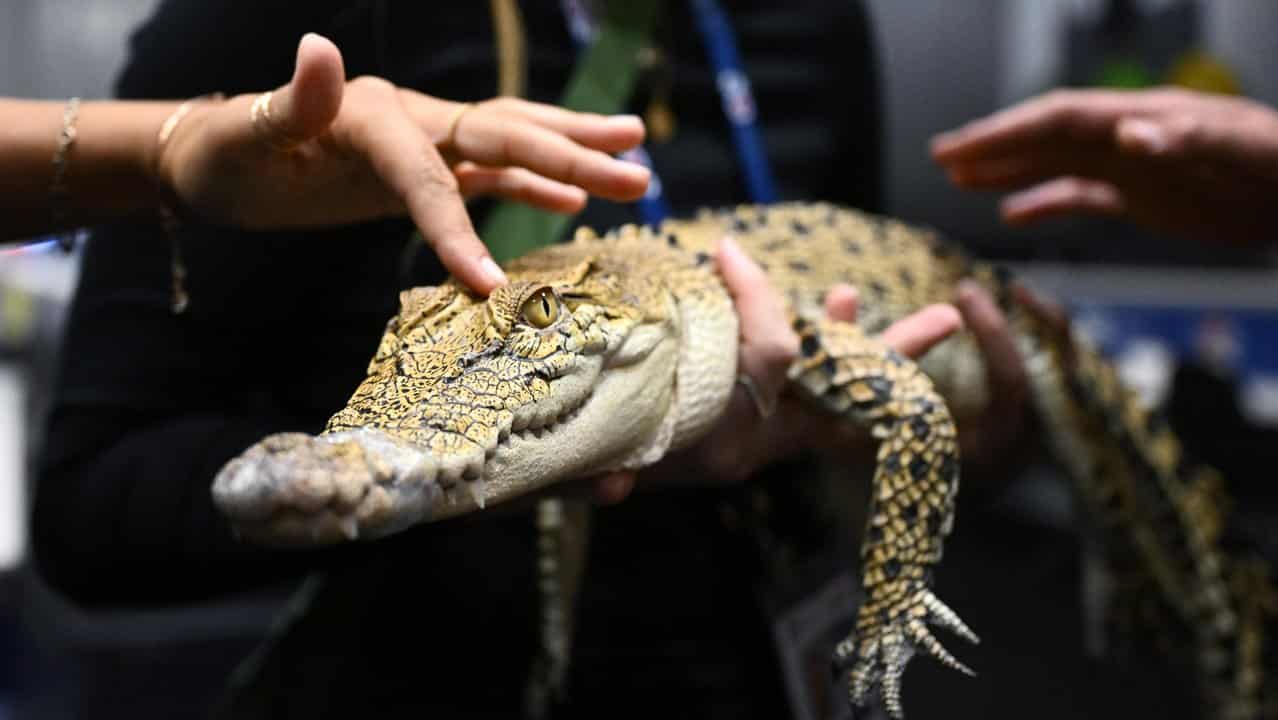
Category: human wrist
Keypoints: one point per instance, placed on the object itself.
(106, 170)
(160, 152)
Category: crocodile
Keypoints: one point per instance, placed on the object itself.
(612, 350)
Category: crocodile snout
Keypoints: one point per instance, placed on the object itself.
(299, 489)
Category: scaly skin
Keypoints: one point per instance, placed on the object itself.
(607, 352)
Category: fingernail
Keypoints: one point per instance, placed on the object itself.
(968, 291)
(625, 119)
(1142, 135)
(1013, 203)
(940, 141)
(637, 170)
(1019, 201)
(310, 38)
(491, 271)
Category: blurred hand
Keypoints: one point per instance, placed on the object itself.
(1191, 164)
(333, 152)
(743, 441)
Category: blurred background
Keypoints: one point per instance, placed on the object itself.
(1194, 328)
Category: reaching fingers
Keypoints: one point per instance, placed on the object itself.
(608, 133)
(916, 334)
(489, 137)
(406, 160)
(309, 103)
(1035, 165)
(519, 184)
(1061, 116)
(1063, 196)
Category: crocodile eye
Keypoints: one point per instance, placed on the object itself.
(541, 310)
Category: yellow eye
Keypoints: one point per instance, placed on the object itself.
(541, 310)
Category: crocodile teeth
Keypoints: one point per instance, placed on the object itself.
(349, 526)
(477, 489)
(423, 473)
(447, 478)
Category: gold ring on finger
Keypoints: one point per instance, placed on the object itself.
(451, 132)
(264, 125)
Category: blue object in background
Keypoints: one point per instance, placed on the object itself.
(1241, 342)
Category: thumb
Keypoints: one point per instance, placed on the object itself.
(309, 103)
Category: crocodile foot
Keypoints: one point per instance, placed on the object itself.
(875, 655)
(297, 489)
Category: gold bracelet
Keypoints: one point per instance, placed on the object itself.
(57, 188)
(179, 298)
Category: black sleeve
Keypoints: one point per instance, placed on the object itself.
(861, 136)
(147, 405)
(126, 518)
(192, 47)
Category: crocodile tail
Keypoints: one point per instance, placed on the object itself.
(1151, 503)
(1245, 691)
(563, 537)
(1207, 500)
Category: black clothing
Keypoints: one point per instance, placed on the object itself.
(279, 331)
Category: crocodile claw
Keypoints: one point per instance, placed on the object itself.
(876, 654)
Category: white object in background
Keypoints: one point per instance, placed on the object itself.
(1146, 365)
(13, 507)
(1258, 399)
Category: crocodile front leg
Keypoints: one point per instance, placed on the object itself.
(912, 506)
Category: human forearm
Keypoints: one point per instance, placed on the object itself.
(108, 168)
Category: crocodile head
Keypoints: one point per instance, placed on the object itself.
(569, 371)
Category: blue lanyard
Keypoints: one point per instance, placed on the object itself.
(738, 99)
(734, 92)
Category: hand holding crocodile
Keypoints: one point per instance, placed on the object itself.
(764, 422)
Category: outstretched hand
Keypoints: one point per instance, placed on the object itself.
(1191, 164)
(743, 441)
(323, 151)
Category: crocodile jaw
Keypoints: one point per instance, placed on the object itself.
(611, 411)
(626, 421)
